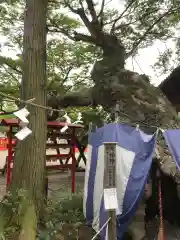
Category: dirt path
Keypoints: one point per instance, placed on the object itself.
(58, 182)
(59, 185)
(2, 187)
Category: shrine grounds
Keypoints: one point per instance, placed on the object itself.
(63, 207)
(65, 219)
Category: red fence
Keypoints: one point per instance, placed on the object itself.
(4, 144)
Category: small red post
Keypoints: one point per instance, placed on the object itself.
(9, 158)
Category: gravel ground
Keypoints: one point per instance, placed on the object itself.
(59, 185)
(2, 187)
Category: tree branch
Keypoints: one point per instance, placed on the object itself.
(136, 44)
(87, 23)
(126, 24)
(112, 21)
(101, 13)
(137, 20)
(73, 99)
(76, 84)
(4, 60)
(60, 30)
(75, 37)
(85, 38)
(93, 26)
(56, 28)
(122, 14)
(76, 99)
(67, 4)
(92, 10)
(11, 74)
(82, 15)
(67, 74)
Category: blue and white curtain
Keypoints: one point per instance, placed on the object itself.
(134, 151)
(172, 138)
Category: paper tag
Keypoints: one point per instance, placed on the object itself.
(68, 120)
(23, 133)
(77, 122)
(64, 128)
(110, 198)
(22, 114)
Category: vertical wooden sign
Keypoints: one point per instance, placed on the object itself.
(110, 196)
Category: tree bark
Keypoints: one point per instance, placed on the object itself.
(139, 101)
(29, 161)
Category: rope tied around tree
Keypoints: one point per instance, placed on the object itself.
(29, 102)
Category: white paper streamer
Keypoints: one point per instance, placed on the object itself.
(25, 131)
(68, 121)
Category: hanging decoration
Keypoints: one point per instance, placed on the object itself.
(79, 118)
(25, 131)
(68, 121)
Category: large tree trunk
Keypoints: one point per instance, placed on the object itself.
(139, 101)
(29, 160)
(136, 96)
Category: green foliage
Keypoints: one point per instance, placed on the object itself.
(163, 63)
(63, 217)
(62, 20)
(12, 212)
(158, 18)
(69, 211)
(60, 218)
(69, 62)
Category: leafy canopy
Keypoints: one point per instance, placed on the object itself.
(71, 45)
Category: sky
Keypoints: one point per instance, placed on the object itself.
(147, 57)
(145, 60)
(142, 63)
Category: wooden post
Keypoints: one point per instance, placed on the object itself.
(110, 187)
(69, 179)
(9, 158)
